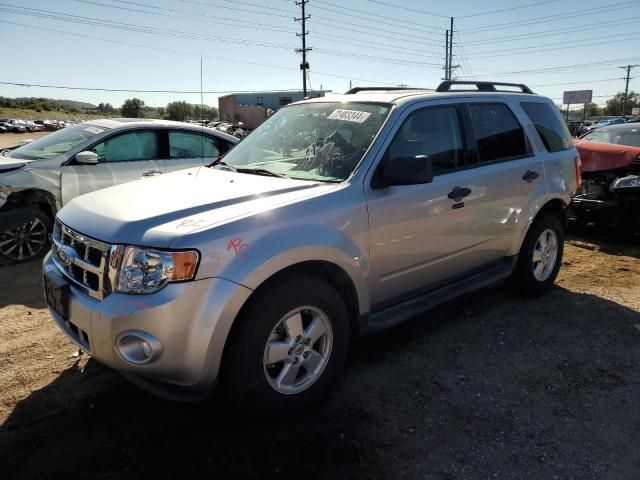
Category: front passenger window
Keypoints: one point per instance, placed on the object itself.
(127, 147)
(434, 132)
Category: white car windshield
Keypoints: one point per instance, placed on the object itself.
(310, 141)
(58, 142)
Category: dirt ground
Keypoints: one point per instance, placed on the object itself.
(12, 139)
(490, 386)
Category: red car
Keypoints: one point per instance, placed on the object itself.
(610, 191)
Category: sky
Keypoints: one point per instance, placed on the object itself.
(249, 45)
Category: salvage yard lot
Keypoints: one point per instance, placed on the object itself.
(489, 386)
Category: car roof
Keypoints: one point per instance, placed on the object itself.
(112, 123)
(398, 97)
(619, 126)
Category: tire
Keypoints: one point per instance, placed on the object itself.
(249, 372)
(535, 276)
(28, 241)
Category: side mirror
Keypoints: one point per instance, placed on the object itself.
(404, 171)
(87, 157)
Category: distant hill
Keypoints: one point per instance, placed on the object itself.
(48, 104)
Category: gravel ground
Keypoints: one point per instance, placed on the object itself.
(12, 139)
(490, 386)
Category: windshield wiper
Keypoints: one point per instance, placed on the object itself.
(261, 171)
(221, 162)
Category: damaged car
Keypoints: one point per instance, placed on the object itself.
(38, 178)
(610, 165)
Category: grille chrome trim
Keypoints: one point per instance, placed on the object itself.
(87, 267)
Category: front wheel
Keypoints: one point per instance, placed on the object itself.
(27, 240)
(540, 256)
(289, 348)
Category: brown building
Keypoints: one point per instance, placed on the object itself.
(251, 108)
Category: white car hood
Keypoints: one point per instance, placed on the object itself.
(8, 163)
(154, 212)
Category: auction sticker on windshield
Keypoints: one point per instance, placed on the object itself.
(95, 130)
(349, 115)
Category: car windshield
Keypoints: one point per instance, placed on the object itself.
(311, 141)
(617, 136)
(58, 142)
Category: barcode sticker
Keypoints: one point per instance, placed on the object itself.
(349, 115)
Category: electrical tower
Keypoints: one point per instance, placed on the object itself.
(626, 88)
(304, 66)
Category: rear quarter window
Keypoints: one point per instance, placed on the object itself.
(553, 132)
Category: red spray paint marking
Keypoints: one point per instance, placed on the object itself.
(241, 249)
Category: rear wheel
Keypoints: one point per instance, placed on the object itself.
(289, 348)
(540, 256)
(26, 241)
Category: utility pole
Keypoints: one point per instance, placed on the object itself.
(451, 50)
(626, 88)
(446, 55)
(304, 66)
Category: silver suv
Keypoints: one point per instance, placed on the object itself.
(38, 178)
(335, 218)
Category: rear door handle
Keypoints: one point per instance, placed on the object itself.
(458, 193)
(151, 173)
(530, 176)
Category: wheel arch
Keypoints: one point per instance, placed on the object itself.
(556, 206)
(34, 198)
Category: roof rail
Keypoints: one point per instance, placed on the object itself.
(481, 86)
(380, 89)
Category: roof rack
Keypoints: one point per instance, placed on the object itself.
(481, 86)
(380, 89)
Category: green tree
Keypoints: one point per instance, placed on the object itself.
(133, 108)
(179, 111)
(614, 105)
(593, 110)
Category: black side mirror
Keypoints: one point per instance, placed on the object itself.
(404, 171)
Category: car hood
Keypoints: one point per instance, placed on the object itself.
(7, 163)
(597, 156)
(155, 212)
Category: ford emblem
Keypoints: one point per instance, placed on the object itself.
(67, 255)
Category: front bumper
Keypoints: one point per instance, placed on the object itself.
(605, 213)
(191, 320)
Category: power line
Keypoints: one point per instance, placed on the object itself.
(182, 34)
(548, 18)
(557, 31)
(574, 82)
(508, 9)
(125, 90)
(424, 12)
(395, 19)
(179, 52)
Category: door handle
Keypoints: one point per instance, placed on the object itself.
(151, 173)
(530, 176)
(458, 193)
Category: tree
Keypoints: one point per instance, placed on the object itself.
(593, 110)
(133, 108)
(179, 111)
(614, 105)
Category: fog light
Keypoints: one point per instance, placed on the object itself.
(138, 348)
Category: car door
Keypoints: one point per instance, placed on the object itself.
(419, 235)
(123, 157)
(191, 149)
(509, 176)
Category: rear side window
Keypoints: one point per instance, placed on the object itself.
(553, 132)
(498, 133)
(191, 145)
(434, 132)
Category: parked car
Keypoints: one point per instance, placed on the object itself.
(261, 268)
(610, 191)
(38, 178)
(3, 129)
(607, 122)
(13, 127)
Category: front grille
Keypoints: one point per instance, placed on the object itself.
(82, 259)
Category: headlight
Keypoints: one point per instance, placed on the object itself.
(632, 181)
(144, 270)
